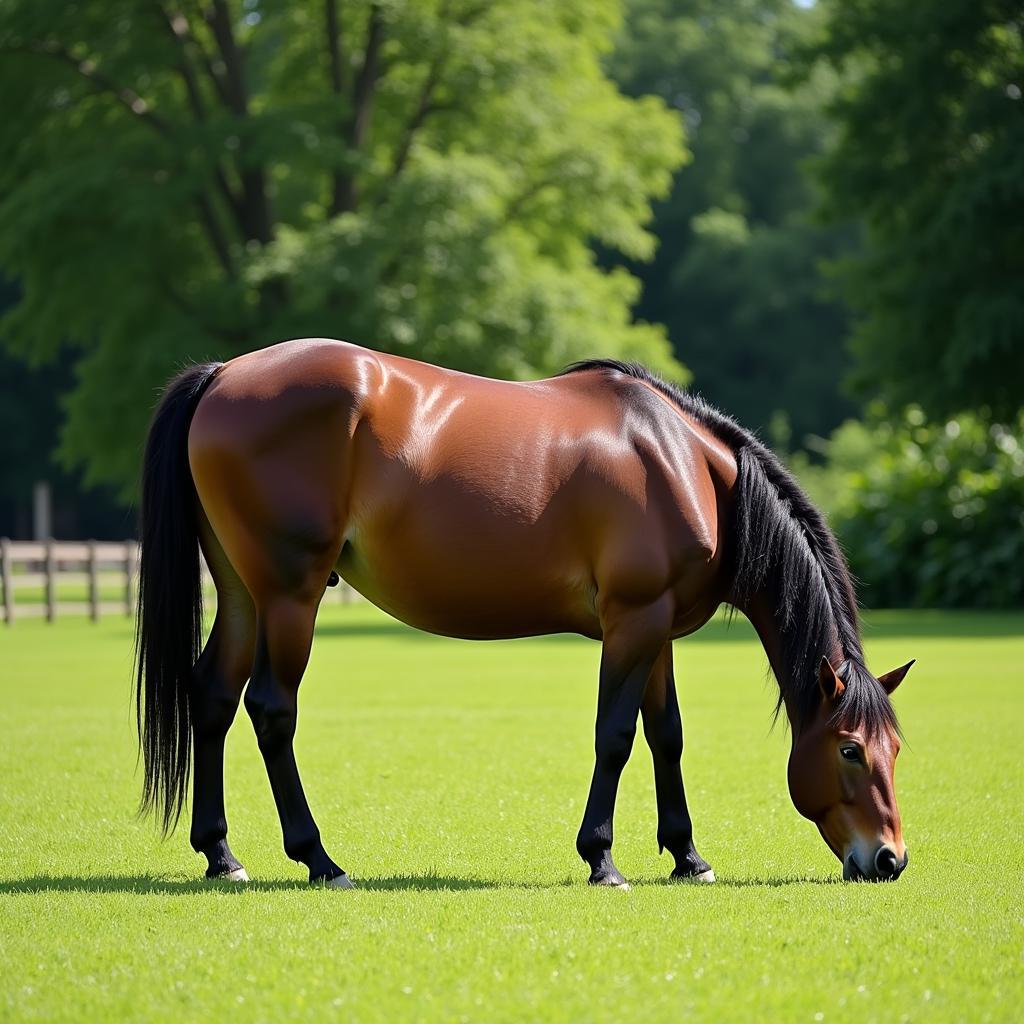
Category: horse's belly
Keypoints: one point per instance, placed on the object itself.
(467, 589)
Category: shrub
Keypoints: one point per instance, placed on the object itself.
(930, 514)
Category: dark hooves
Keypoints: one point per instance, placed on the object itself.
(341, 881)
(692, 867)
(238, 874)
(223, 863)
(610, 880)
(332, 878)
(706, 876)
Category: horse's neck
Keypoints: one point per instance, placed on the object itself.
(760, 610)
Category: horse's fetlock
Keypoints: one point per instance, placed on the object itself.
(593, 843)
(304, 848)
(587, 847)
(678, 842)
(208, 835)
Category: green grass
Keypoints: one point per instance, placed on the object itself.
(449, 779)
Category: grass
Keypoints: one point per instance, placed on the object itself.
(449, 779)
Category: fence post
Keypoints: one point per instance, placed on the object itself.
(94, 584)
(130, 557)
(6, 580)
(51, 581)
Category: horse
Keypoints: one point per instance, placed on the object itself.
(603, 501)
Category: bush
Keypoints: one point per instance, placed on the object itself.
(930, 515)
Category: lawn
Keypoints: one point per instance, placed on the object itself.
(448, 778)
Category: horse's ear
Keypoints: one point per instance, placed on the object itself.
(893, 679)
(831, 685)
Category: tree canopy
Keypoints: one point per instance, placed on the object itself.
(187, 180)
(737, 278)
(930, 155)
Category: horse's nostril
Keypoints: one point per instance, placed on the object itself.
(886, 863)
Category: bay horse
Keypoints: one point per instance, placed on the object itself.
(603, 501)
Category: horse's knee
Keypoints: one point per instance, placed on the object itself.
(665, 738)
(273, 720)
(613, 747)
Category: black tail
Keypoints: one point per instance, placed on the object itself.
(168, 630)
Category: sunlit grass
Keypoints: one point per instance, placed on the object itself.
(448, 778)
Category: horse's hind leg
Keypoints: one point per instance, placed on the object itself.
(663, 728)
(282, 651)
(218, 681)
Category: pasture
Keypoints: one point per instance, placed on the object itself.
(448, 778)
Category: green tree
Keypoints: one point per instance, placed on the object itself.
(192, 179)
(737, 276)
(930, 154)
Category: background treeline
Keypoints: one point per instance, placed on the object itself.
(847, 243)
(814, 214)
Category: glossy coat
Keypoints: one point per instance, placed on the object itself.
(463, 506)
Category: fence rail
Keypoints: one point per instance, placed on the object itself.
(107, 572)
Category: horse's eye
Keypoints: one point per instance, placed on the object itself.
(850, 753)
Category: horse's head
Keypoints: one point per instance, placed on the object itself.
(841, 771)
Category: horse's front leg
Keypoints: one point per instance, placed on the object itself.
(633, 640)
(663, 728)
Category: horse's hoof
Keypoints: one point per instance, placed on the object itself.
(615, 881)
(341, 881)
(237, 875)
(704, 877)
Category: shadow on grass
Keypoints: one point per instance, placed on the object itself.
(148, 885)
(740, 883)
(145, 885)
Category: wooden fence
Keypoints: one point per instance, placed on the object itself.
(105, 573)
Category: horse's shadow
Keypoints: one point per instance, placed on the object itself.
(150, 885)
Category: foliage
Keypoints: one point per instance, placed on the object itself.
(192, 180)
(28, 420)
(30, 416)
(931, 515)
(736, 277)
(930, 154)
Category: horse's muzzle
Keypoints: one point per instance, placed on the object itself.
(885, 867)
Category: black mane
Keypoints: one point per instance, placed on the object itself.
(783, 549)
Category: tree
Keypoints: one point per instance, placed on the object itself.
(30, 417)
(737, 277)
(930, 154)
(193, 179)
